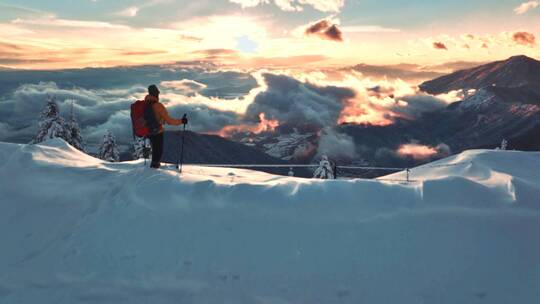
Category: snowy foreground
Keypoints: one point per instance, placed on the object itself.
(74, 229)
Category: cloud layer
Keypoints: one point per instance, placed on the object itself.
(317, 103)
(102, 97)
(293, 102)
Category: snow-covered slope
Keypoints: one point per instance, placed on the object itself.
(480, 177)
(74, 229)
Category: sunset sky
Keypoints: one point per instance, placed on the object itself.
(39, 34)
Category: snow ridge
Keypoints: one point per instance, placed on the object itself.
(76, 229)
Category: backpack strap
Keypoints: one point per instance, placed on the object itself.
(150, 116)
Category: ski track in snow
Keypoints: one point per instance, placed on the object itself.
(74, 229)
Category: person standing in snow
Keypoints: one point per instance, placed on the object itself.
(162, 117)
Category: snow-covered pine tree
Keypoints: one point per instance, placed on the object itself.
(325, 169)
(109, 150)
(75, 131)
(141, 148)
(504, 144)
(51, 124)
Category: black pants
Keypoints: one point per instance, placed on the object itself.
(157, 149)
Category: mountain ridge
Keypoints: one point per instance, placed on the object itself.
(515, 71)
(510, 110)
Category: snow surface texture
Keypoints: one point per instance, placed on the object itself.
(75, 229)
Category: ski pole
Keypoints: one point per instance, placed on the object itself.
(182, 148)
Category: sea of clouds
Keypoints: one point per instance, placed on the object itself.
(213, 98)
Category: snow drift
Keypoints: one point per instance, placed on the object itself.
(75, 229)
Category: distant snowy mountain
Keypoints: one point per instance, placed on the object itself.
(506, 103)
(481, 120)
(517, 71)
(502, 101)
(76, 229)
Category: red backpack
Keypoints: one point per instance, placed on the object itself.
(143, 119)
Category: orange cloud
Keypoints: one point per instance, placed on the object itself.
(524, 38)
(264, 125)
(326, 30)
(362, 114)
(142, 53)
(216, 52)
(417, 151)
(221, 56)
(440, 46)
(9, 47)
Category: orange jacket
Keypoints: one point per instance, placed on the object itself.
(162, 116)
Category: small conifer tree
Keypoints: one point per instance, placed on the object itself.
(109, 150)
(75, 132)
(51, 125)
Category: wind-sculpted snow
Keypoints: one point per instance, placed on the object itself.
(75, 229)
